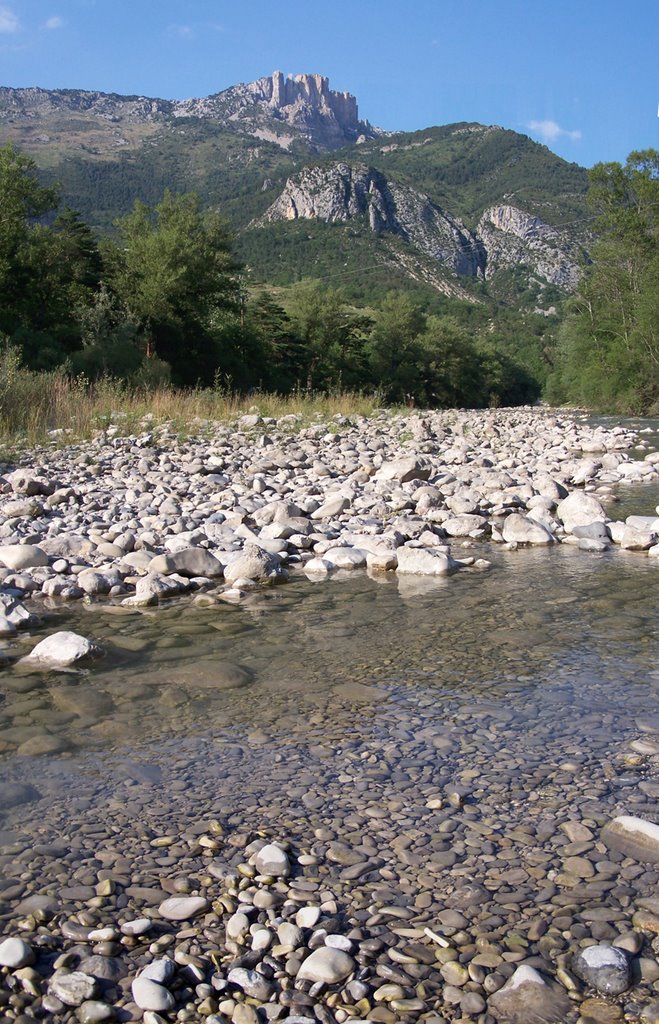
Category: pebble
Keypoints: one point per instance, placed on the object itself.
(606, 968)
(15, 953)
(149, 995)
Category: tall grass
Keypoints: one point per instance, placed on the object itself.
(37, 407)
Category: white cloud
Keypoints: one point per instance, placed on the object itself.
(54, 22)
(550, 131)
(181, 31)
(8, 20)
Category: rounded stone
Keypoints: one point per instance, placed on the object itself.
(327, 965)
(272, 860)
(15, 953)
(149, 995)
(182, 908)
(606, 968)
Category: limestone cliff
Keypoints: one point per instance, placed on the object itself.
(284, 108)
(274, 108)
(344, 192)
(512, 237)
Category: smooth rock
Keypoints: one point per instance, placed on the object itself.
(60, 650)
(149, 995)
(182, 908)
(606, 968)
(327, 965)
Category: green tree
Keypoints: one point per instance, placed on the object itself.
(451, 370)
(173, 270)
(609, 343)
(332, 336)
(22, 202)
(393, 349)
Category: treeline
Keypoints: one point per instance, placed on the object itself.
(608, 353)
(165, 299)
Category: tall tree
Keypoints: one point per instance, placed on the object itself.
(22, 202)
(173, 269)
(610, 340)
(393, 349)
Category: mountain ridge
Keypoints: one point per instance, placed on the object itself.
(463, 203)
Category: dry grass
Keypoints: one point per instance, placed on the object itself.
(34, 405)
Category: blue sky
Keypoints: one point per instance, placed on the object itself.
(579, 75)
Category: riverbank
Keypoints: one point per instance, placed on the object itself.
(440, 757)
(148, 516)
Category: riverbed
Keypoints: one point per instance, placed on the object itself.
(434, 753)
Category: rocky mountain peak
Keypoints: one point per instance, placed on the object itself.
(283, 108)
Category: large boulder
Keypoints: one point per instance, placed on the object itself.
(633, 837)
(22, 556)
(519, 529)
(189, 562)
(425, 562)
(60, 650)
(526, 997)
(401, 470)
(579, 509)
(253, 563)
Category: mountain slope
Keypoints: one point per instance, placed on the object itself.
(465, 209)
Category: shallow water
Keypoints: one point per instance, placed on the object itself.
(547, 658)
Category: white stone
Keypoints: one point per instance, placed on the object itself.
(60, 650)
(307, 917)
(181, 908)
(15, 953)
(73, 988)
(22, 556)
(149, 995)
(425, 562)
(327, 965)
(272, 860)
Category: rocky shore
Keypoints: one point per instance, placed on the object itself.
(455, 861)
(145, 517)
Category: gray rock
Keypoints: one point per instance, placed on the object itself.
(592, 531)
(29, 483)
(94, 1012)
(252, 983)
(464, 525)
(527, 997)
(425, 562)
(579, 509)
(252, 564)
(189, 562)
(606, 968)
(519, 529)
(72, 988)
(402, 470)
(161, 971)
(332, 506)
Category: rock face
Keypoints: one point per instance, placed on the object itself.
(346, 192)
(511, 236)
(505, 237)
(276, 108)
